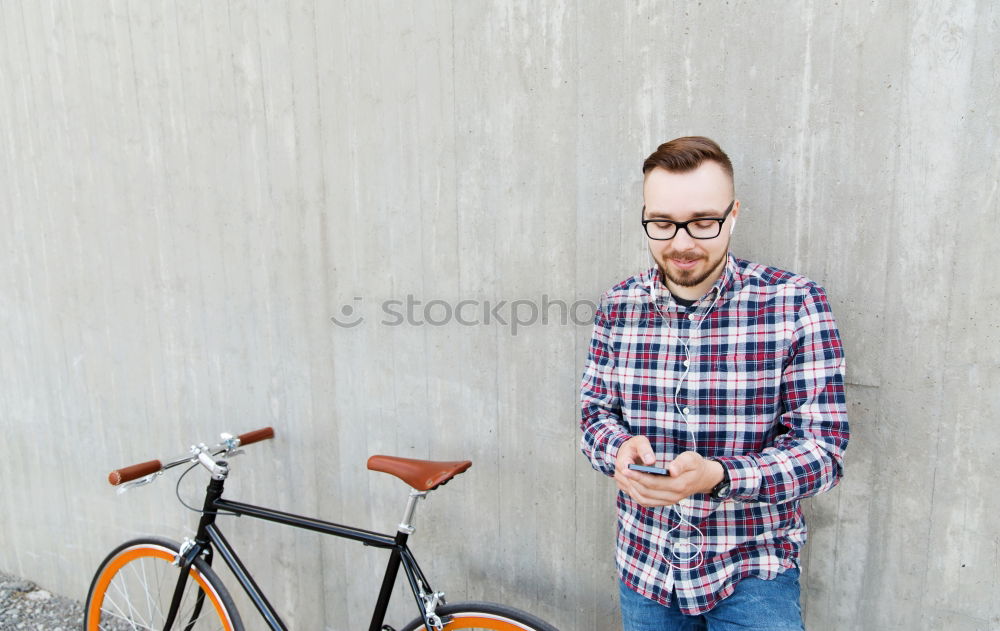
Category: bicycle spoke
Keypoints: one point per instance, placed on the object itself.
(149, 599)
(109, 618)
(123, 615)
(114, 617)
(132, 609)
(141, 576)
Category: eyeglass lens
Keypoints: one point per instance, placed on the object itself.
(707, 229)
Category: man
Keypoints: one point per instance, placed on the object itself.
(730, 375)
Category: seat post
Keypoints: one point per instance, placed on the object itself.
(406, 526)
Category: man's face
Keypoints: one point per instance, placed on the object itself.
(690, 266)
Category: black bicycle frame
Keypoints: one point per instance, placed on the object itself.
(209, 536)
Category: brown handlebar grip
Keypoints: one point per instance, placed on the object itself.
(256, 436)
(134, 472)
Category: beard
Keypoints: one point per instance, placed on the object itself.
(692, 277)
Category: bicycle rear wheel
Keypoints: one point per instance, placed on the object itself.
(479, 615)
(134, 585)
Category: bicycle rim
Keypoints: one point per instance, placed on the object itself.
(133, 588)
(472, 616)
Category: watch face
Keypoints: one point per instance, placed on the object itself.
(721, 492)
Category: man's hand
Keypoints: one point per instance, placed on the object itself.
(689, 474)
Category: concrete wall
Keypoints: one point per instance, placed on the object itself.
(189, 191)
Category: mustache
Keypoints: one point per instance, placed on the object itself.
(686, 256)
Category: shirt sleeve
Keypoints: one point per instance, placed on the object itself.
(808, 458)
(600, 400)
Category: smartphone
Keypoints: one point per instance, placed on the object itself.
(645, 469)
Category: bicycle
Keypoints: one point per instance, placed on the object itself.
(154, 583)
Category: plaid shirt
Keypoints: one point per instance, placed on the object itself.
(751, 375)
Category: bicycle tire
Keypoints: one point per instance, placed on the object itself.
(133, 587)
(481, 615)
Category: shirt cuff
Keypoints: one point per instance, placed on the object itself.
(611, 451)
(744, 476)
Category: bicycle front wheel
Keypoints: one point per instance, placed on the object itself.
(134, 586)
(477, 615)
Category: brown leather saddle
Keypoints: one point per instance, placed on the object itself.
(423, 475)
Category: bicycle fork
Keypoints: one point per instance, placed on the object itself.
(192, 549)
(188, 553)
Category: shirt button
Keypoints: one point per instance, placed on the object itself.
(690, 316)
(687, 411)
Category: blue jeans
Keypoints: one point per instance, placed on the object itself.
(756, 605)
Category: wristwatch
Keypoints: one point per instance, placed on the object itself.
(722, 490)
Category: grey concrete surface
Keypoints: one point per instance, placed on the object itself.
(190, 191)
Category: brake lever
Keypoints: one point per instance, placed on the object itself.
(127, 486)
(231, 444)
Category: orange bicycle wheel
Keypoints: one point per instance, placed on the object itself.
(479, 615)
(134, 585)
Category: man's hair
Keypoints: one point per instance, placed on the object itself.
(687, 154)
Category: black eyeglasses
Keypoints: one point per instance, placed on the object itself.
(700, 228)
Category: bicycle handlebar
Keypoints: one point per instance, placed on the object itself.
(229, 444)
(256, 436)
(134, 472)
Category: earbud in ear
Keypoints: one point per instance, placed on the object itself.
(732, 227)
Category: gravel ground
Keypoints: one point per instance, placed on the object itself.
(25, 606)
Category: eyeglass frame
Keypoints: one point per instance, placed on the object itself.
(683, 225)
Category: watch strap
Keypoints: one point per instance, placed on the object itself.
(721, 490)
